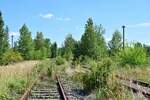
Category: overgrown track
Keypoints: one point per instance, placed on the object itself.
(136, 86)
(49, 89)
(72, 91)
(43, 89)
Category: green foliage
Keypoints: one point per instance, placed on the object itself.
(133, 56)
(48, 47)
(88, 39)
(25, 43)
(115, 44)
(42, 46)
(101, 48)
(92, 41)
(38, 54)
(17, 85)
(98, 75)
(147, 48)
(50, 70)
(69, 46)
(4, 45)
(54, 50)
(4, 96)
(10, 57)
(60, 60)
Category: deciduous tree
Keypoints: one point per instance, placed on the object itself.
(25, 43)
(115, 44)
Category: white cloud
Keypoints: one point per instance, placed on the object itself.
(146, 24)
(14, 33)
(50, 16)
(63, 18)
(47, 16)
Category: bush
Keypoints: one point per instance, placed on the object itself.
(4, 96)
(17, 85)
(98, 76)
(59, 60)
(11, 57)
(133, 56)
(50, 70)
(37, 54)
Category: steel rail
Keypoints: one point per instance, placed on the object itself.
(61, 88)
(27, 91)
(136, 85)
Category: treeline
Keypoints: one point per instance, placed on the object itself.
(25, 48)
(92, 45)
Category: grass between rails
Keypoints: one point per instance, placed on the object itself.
(14, 79)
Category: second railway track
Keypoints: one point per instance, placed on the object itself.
(136, 86)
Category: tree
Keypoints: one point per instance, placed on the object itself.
(4, 45)
(25, 43)
(40, 49)
(115, 44)
(88, 40)
(93, 43)
(101, 48)
(54, 50)
(147, 48)
(138, 44)
(6, 38)
(69, 46)
(48, 47)
(39, 41)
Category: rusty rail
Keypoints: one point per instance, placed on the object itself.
(26, 93)
(136, 85)
(61, 89)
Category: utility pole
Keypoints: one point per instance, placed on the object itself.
(12, 41)
(123, 27)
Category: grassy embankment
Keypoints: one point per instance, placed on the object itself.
(15, 78)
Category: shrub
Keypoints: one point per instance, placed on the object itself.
(10, 57)
(50, 70)
(59, 60)
(133, 56)
(38, 54)
(98, 76)
(17, 85)
(4, 96)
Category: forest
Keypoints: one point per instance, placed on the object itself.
(96, 61)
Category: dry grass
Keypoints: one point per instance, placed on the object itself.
(15, 71)
(138, 73)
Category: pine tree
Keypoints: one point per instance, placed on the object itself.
(3, 37)
(25, 43)
(115, 44)
(88, 40)
(54, 50)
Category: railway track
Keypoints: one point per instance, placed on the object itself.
(136, 85)
(50, 89)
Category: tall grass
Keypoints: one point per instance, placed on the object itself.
(14, 79)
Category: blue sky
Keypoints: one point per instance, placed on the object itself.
(57, 18)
